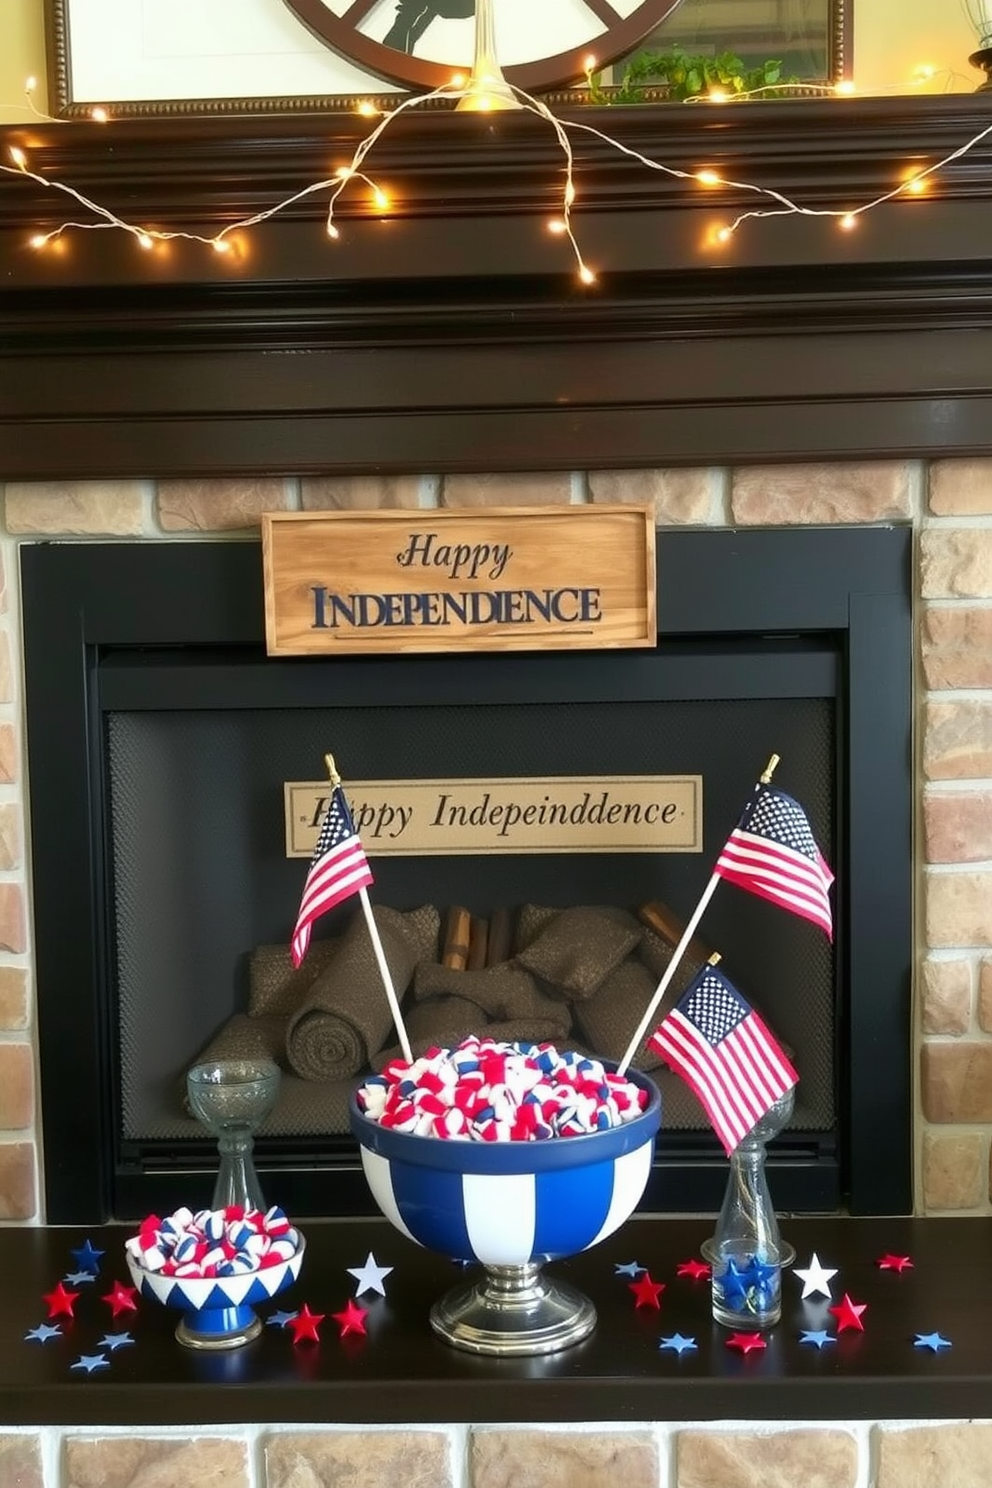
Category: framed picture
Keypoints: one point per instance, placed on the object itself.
(187, 57)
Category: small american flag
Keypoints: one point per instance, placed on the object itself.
(722, 1049)
(772, 852)
(339, 868)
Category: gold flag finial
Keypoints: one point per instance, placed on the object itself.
(332, 769)
(769, 769)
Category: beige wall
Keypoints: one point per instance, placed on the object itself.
(891, 39)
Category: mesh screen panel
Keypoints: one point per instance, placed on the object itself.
(200, 876)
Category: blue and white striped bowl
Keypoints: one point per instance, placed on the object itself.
(215, 1307)
(510, 1203)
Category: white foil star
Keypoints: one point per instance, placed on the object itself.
(815, 1278)
(370, 1276)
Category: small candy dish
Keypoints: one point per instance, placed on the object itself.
(214, 1266)
(512, 1206)
(218, 1311)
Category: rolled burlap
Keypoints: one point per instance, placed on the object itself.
(608, 1018)
(275, 985)
(504, 994)
(575, 952)
(345, 1017)
(445, 1021)
(243, 1037)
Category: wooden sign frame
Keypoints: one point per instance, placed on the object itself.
(486, 579)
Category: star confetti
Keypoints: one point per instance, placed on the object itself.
(120, 1299)
(351, 1320)
(60, 1301)
(678, 1344)
(817, 1336)
(88, 1259)
(89, 1362)
(43, 1333)
(647, 1291)
(114, 1341)
(305, 1325)
(931, 1341)
(746, 1342)
(848, 1314)
(696, 1269)
(815, 1278)
(370, 1276)
(279, 1319)
(894, 1263)
(628, 1268)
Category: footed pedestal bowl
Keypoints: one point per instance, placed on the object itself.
(511, 1207)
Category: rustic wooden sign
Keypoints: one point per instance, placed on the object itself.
(534, 814)
(493, 579)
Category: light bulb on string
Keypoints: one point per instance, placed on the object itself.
(916, 182)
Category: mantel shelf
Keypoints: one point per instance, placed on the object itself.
(400, 1372)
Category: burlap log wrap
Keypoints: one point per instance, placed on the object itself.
(576, 951)
(504, 994)
(345, 1017)
(608, 1018)
(243, 1037)
(275, 985)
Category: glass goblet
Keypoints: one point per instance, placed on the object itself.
(232, 1097)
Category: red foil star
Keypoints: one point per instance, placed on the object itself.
(60, 1301)
(352, 1320)
(746, 1342)
(894, 1263)
(696, 1269)
(305, 1324)
(647, 1291)
(121, 1299)
(848, 1314)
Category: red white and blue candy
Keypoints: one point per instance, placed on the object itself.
(501, 1195)
(484, 1090)
(213, 1242)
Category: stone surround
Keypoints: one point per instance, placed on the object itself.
(949, 505)
(644, 1455)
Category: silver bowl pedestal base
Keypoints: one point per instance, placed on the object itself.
(513, 1310)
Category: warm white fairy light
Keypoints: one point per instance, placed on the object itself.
(916, 181)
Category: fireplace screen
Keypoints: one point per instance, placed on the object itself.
(188, 733)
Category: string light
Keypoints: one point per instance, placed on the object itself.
(915, 182)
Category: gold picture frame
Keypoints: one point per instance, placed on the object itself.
(181, 58)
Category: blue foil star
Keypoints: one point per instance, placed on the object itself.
(819, 1336)
(79, 1278)
(931, 1341)
(279, 1319)
(89, 1362)
(678, 1344)
(628, 1268)
(88, 1258)
(114, 1341)
(43, 1333)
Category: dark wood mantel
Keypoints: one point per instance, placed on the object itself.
(454, 335)
(400, 1371)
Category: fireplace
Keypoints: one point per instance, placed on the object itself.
(474, 351)
(162, 867)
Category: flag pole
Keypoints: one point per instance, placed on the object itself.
(380, 955)
(680, 949)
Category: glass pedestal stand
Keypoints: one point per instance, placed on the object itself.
(513, 1310)
(747, 1253)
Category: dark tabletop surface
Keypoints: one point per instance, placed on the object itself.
(400, 1371)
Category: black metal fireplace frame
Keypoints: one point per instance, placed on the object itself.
(80, 599)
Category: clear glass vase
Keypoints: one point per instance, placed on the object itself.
(747, 1253)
